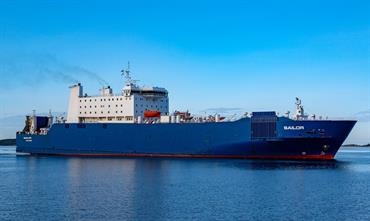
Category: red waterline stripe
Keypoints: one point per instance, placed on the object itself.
(298, 157)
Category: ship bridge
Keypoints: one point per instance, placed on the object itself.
(154, 92)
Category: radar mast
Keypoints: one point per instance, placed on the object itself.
(300, 115)
(127, 74)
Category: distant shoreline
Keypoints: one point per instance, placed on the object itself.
(356, 145)
(7, 142)
(11, 142)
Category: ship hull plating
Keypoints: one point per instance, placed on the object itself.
(245, 138)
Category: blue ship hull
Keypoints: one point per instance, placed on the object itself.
(256, 137)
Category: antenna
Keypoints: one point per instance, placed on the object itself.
(298, 101)
(127, 74)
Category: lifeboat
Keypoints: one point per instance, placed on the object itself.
(152, 113)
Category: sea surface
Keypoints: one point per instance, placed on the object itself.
(72, 188)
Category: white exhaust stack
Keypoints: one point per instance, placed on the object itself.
(76, 92)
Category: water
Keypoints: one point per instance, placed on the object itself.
(61, 188)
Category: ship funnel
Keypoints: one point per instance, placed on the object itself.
(76, 91)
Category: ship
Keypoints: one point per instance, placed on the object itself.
(137, 123)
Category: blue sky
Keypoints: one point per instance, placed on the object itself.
(237, 55)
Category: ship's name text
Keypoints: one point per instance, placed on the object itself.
(293, 127)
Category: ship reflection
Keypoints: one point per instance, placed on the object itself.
(131, 185)
(287, 165)
(145, 187)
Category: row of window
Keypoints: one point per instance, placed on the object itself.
(102, 112)
(105, 99)
(82, 119)
(102, 106)
(120, 118)
(108, 112)
(112, 99)
(147, 99)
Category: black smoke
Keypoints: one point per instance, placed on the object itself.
(33, 69)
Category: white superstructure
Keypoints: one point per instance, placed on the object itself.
(127, 107)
